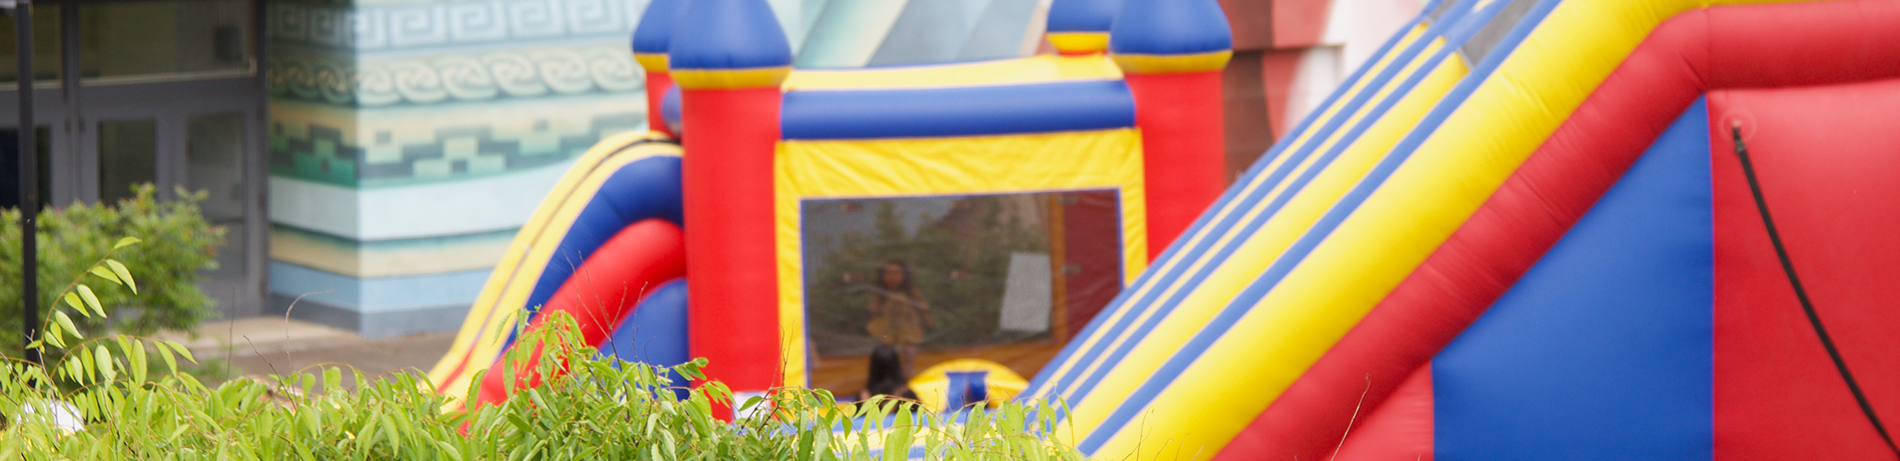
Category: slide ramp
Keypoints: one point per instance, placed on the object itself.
(1461, 253)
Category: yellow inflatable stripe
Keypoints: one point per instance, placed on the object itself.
(1429, 196)
(477, 343)
(1043, 162)
(1117, 337)
(1172, 63)
(1035, 69)
(1260, 249)
(1079, 42)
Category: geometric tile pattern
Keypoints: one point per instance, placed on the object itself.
(455, 151)
(481, 75)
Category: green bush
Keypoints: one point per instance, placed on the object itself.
(178, 243)
(587, 408)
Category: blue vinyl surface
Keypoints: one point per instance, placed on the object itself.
(654, 34)
(1083, 15)
(656, 333)
(728, 34)
(1170, 27)
(644, 189)
(1603, 349)
(965, 111)
(670, 111)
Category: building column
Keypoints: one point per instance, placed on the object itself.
(407, 142)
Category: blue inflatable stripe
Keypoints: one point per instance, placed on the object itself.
(1273, 207)
(1048, 377)
(1603, 350)
(1295, 254)
(643, 189)
(1047, 374)
(966, 111)
(1249, 202)
(655, 334)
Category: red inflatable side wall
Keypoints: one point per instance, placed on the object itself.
(1826, 158)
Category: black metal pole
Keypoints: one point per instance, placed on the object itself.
(29, 180)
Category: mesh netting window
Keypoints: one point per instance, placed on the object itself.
(1006, 278)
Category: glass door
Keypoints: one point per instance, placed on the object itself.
(164, 92)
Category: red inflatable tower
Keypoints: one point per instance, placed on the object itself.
(728, 58)
(1172, 53)
(650, 43)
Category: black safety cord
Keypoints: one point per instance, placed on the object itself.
(1754, 185)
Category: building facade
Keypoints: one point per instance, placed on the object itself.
(373, 158)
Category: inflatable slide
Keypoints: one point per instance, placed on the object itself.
(1525, 229)
(1524, 232)
(615, 220)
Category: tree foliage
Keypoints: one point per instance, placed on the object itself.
(179, 243)
(587, 407)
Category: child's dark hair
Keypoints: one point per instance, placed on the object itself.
(886, 375)
(901, 267)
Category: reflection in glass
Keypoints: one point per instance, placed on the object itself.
(166, 39)
(214, 165)
(10, 167)
(46, 58)
(942, 278)
(128, 155)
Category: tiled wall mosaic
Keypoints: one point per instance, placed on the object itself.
(480, 76)
(323, 154)
(369, 26)
(439, 90)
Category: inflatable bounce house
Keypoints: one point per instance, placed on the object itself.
(1525, 229)
(1135, 149)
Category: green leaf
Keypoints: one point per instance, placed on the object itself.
(76, 370)
(302, 452)
(171, 363)
(72, 300)
(102, 272)
(313, 421)
(183, 351)
(104, 357)
(85, 293)
(124, 275)
(125, 242)
(67, 323)
(137, 356)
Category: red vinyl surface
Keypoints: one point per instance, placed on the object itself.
(657, 84)
(1827, 158)
(602, 292)
(1723, 47)
(731, 263)
(1184, 153)
(1401, 429)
